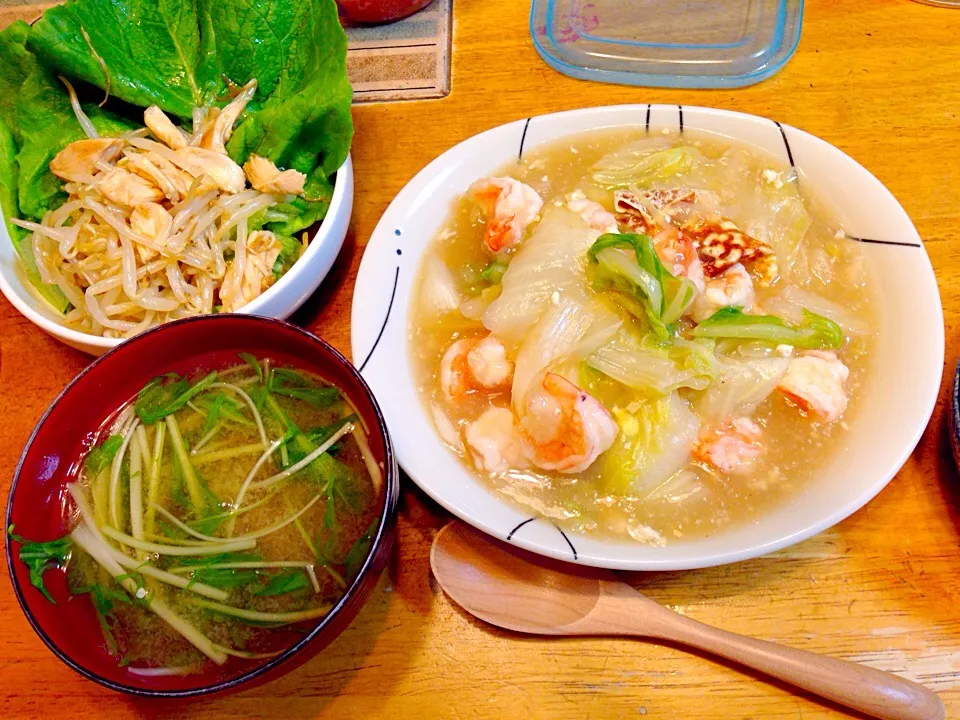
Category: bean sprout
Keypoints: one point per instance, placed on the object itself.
(170, 228)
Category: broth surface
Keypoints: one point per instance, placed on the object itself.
(312, 521)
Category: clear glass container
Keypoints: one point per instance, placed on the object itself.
(664, 43)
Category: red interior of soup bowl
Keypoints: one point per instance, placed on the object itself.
(38, 507)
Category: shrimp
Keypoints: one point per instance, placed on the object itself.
(509, 207)
(732, 289)
(595, 215)
(496, 441)
(567, 427)
(474, 363)
(814, 383)
(730, 447)
(679, 255)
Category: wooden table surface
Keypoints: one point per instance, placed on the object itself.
(880, 80)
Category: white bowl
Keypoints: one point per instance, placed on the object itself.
(279, 301)
(893, 412)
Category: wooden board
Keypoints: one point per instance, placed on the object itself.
(406, 60)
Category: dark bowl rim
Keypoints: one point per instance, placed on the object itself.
(953, 417)
(384, 530)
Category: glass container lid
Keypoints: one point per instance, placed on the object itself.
(667, 43)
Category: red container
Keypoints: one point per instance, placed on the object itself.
(375, 12)
(38, 497)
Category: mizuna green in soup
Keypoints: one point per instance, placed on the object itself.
(218, 512)
(643, 335)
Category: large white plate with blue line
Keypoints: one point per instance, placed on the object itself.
(893, 414)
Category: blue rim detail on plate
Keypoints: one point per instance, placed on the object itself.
(793, 164)
(529, 520)
(523, 139)
(386, 319)
(520, 525)
(786, 144)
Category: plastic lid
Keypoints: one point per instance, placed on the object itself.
(667, 43)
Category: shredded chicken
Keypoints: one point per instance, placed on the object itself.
(156, 224)
(218, 132)
(247, 279)
(163, 128)
(78, 160)
(124, 188)
(151, 221)
(214, 165)
(267, 177)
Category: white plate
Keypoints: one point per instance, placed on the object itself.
(278, 301)
(893, 412)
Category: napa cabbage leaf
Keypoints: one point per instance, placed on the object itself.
(642, 284)
(652, 366)
(742, 384)
(814, 332)
(653, 443)
(548, 267)
(643, 168)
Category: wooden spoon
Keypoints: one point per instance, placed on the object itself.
(520, 591)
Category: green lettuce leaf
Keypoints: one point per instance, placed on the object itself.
(287, 219)
(17, 62)
(151, 49)
(47, 125)
(11, 209)
(306, 120)
(271, 41)
(8, 182)
(173, 53)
